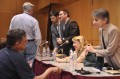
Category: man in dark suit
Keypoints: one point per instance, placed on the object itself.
(55, 28)
(69, 29)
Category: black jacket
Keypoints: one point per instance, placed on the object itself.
(71, 30)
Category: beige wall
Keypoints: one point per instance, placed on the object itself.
(6, 12)
(9, 8)
(80, 10)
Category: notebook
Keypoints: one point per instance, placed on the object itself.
(114, 72)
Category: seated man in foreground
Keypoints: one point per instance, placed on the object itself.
(13, 64)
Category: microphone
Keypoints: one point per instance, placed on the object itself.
(46, 42)
(59, 48)
(66, 42)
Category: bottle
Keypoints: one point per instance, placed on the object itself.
(75, 60)
(44, 52)
(71, 61)
(48, 51)
(53, 56)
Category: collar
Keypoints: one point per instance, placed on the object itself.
(106, 28)
(67, 20)
(25, 12)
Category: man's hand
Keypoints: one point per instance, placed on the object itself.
(48, 72)
(58, 60)
(30, 63)
(59, 40)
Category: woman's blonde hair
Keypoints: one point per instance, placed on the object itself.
(81, 39)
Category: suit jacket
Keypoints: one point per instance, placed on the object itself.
(112, 43)
(55, 35)
(71, 30)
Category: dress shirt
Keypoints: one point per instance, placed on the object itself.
(29, 24)
(58, 28)
(65, 27)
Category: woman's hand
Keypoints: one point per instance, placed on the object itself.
(90, 49)
(87, 45)
(63, 60)
(58, 60)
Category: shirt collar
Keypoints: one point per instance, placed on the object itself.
(25, 12)
(67, 20)
(107, 27)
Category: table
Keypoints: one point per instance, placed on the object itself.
(41, 66)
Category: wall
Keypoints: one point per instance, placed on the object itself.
(80, 10)
(6, 12)
(9, 8)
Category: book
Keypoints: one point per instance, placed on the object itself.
(114, 72)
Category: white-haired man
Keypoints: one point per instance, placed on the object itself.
(31, 26)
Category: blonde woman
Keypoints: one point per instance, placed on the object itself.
(79, 42)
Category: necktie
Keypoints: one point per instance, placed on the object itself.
(63, 29)
(59, 31)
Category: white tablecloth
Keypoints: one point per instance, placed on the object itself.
(66, 67)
